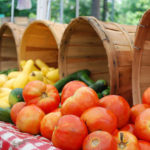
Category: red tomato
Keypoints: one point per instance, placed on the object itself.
(15, 110)
(70, 88)
(43, 95)
(115, 132)
(69, 133)
(99, 140)
(82, 99)
(29, 118)
(146, 96)
(48, 124)
(136, 110)
(142, 125)
(127, 141)
(119, 106)
(144, 145)
(57, 110)
(130, 128)
(98, 118)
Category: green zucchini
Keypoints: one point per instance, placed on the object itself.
(99, 95)
(5, 115)
(15, 96)
(60, 94)
(106, 92)
(99, 86)
(6, 72)
(86, 79)
(74, 76)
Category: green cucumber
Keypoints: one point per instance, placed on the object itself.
(6, 72)
(106, 92)
(99, 85)
(99, 95)
(86, 79)
(5, 115)
(60, 94)
(15, 96)
(74, 76)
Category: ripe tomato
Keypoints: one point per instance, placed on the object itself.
(43, 95)
(126, 141)
(136, 110)
(142, 125)
(119, 106)
(99, 140)
(15, 110)
(82, 99)
(144, 145)
(70, 88)
(29, 118)
(69, 133)
(146, 96)
(115, 132)
(98, 118)
(130, 128)
(57, 110)
(48, 124)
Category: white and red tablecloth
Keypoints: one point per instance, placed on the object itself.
(12, 139)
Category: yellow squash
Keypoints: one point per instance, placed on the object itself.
(40, 64)
(35, 75)
(53, 75)
(3, 79)
(22, 78)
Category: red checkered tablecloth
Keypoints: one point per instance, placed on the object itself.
(12, 139)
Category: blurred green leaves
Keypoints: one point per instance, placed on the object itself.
(126, 11)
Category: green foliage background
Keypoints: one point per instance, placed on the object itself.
(126, 11)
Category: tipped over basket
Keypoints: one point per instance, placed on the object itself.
(41, 40)
(105, 49)
(10, 37)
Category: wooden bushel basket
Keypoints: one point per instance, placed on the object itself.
(41, 39)
(103, 48)
(141, 62)
(10, 37)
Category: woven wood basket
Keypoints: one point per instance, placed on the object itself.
(105, 49)
(141, 62)
(41, 39)
(10, 37)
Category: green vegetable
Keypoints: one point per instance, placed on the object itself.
(60, 94)
(74, 76)
(5, 115)
(15, 96)
(99, 86)
(106, 92)
(6, 72)
(59, 105)
(99, 95)
(86, 79)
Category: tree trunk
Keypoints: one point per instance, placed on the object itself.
(96, 8)
(104, 10)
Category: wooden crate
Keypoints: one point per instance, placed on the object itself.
(106, 49)
(10, 36)
(141, 61)
(41, 39)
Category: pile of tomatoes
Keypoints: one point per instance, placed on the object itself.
(83, 121)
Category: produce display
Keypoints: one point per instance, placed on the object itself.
(74, 112)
